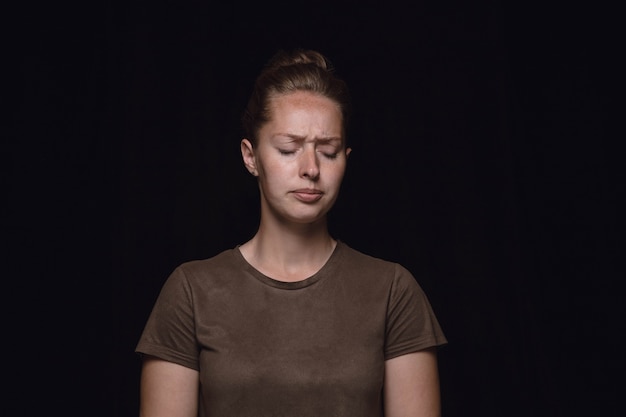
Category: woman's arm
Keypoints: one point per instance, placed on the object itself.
(168, 389)
(412, 385)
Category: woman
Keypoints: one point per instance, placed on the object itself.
(293, 322)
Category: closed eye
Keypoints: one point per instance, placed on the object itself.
(328, 151)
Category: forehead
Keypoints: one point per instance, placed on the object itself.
(302, 97)
(302, 111)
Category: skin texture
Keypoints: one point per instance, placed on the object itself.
(168, 389)
(299, 160)
(412, 385)
(300, 148)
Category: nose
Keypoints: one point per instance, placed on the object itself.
(309, 166)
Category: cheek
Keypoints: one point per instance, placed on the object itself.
(274, 170)
(337, 173)
(272, 175)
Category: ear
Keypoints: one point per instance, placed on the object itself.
(348, 150)
(249, 160)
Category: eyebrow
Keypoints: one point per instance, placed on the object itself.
(299, 138)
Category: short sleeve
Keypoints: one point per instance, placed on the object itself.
(169, 333)
(411, 322)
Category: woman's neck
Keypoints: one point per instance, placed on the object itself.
(289, 254)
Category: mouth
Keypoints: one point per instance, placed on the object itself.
(308, 195)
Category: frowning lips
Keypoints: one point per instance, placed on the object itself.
(308, 195)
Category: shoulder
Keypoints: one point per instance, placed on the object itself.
(198, 272)
(352, 255)
(225, 259)
(377, 268)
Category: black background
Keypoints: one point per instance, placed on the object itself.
(482, 161)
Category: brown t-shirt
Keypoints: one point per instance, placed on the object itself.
(296, 349)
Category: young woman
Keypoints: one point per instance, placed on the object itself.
(293, 322)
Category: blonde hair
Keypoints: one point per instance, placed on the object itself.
(288, 72)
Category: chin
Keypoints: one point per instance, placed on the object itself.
(307, 218)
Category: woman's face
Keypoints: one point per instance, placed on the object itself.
(300, 157)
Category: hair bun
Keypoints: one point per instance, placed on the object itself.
(297, 57)
(288, 72)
